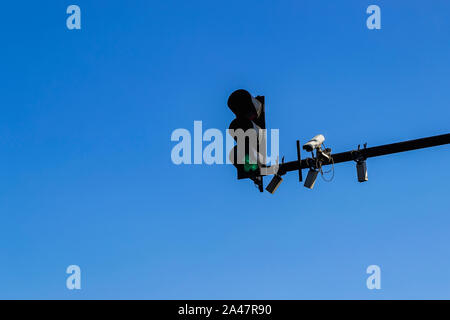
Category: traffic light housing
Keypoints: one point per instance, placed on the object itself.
(246, 128)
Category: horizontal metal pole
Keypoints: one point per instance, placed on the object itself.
(373, 151)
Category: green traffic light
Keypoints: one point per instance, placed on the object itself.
(249, 166)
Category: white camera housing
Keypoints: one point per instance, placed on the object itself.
(314, 143)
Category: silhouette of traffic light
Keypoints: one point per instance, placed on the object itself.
(248, 155)
(244, 154)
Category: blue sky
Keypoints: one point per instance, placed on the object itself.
(86, 176)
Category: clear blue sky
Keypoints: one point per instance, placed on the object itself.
(86, 176)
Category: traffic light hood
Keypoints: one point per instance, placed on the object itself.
(244, 105)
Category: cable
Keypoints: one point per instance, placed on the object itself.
(331, 170)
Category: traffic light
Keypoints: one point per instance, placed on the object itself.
(249, 153)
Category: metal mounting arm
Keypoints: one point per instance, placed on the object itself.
(372, 152)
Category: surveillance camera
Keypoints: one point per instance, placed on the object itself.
(361, 169)
(311, 178)
(314, 143)
(274, 184)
